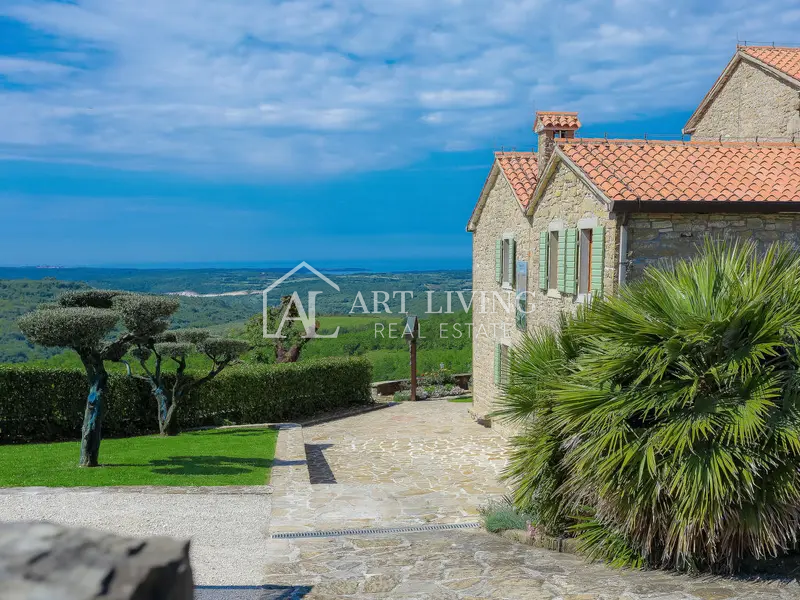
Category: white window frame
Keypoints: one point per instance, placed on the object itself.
(554, 232)
(585, 258)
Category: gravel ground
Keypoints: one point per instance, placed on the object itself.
(228, 532)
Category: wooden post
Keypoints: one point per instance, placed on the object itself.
(413, 343)
(411, 333)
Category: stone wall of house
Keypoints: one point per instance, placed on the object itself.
(752, 103)
(491, 324)
(653, 237)
(567, 200)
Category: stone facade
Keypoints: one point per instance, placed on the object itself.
(501, 215)
(752, 103)
(566, 200)
(653, 238)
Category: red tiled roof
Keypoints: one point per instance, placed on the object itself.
(690, 171)
(786, 60)
(557, 120)
(522, 172)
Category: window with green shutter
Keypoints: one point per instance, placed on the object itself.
(511, 260)
(562, 258)
(598, 258)
(498, 261)
(570, 261)
(504, 364)
(522, 295)
(543, 237)
(497, 366)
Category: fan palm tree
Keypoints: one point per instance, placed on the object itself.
(537, 365)
(678, 421)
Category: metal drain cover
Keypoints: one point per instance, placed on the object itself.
(374, 531)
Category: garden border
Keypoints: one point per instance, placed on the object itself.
(563, 545)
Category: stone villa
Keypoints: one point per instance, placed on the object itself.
(583, 216)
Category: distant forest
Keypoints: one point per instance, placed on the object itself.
(21, 290)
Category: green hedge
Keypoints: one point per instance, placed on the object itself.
(40, 404)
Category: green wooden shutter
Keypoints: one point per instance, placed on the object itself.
(512, 262)
(522, 295)
(598, 258)
(562, 257)
(571, 261)
(498, 261)
(497, 366)
(544, 236)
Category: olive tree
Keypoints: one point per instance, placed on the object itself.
(176, 346)
(84, 322)
(286, 348)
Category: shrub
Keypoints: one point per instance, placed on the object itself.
(502, 516)
(535, 466)
(442, 391)
(674, 427)
(438, 377)
(40, 404)
(405, 395)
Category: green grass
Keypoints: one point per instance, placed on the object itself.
(468, 399)
(214, 457)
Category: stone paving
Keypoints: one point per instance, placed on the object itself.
(414, 463)
(420, 463)
(467, 565)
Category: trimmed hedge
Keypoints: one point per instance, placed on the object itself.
(40, 404)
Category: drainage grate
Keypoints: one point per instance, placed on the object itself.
(375, 531)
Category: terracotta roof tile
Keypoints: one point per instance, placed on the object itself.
(522, 172)
(557, 120)
(786, 60)
(689, 171)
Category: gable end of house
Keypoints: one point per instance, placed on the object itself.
(751, 99)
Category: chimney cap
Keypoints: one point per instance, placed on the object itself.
(547, 120)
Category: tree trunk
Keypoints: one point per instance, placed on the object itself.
(169, 425)
(91, 433)
(166, 412)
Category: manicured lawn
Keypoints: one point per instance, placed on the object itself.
(468, 399)
(214, 457)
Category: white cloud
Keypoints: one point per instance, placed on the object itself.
(319, 86)
(461, 98)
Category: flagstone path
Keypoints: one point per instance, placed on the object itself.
(429, 463)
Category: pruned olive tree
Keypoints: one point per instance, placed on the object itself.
(278, 350)
(84, 322)
(176, 346)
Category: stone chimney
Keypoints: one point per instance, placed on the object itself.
(552, 126)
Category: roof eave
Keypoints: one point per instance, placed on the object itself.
(770, 69)
(706, 206)
(484, 196)
(541, 184)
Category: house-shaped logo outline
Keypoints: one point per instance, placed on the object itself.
(286, 276)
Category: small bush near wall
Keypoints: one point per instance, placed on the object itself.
(40, 404)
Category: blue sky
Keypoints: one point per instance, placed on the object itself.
(144, 132)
